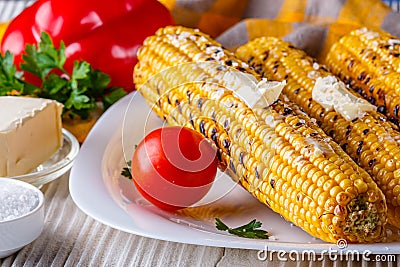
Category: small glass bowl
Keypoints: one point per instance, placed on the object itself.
(56, 166)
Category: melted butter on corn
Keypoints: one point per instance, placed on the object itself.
(255, 93)
(332, 94)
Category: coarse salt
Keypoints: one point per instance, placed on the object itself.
(16, 201)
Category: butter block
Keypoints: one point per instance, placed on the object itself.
(30, 133)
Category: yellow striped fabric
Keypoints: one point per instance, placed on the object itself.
(312, 25)
(212, 16)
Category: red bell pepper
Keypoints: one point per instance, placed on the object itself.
(105, 33)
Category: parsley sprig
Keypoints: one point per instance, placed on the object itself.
(127, 170)
(249, 230)
(78, 91)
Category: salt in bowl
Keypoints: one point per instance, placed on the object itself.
(21, 215)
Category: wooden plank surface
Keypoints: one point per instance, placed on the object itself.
(71, 238)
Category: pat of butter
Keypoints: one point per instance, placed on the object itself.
(270, 92)
(256, 94)
(30, 133)
(333, 94)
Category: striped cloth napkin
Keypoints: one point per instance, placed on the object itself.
(312, 25)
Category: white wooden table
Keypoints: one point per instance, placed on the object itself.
(71, 238)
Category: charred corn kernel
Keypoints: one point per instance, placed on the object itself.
(276, 152)
(372, 141)
(369, 61)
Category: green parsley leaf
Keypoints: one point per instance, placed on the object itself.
(113, 96)
(80, 71)
(40, 60)
(79, 91)
(99, 80)
(10, 78)
(127, 170)
(56, 88)
(220, 225)
(249, 230)
(54, 57)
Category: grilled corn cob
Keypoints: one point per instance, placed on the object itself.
(276, 152)
(371, 141)
(369, 62)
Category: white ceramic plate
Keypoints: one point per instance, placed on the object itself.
(100, 191)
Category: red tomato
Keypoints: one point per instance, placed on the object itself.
(174, 167)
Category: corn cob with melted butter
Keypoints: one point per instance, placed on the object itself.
(371, 141)
(369, 62)
(276, 152)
